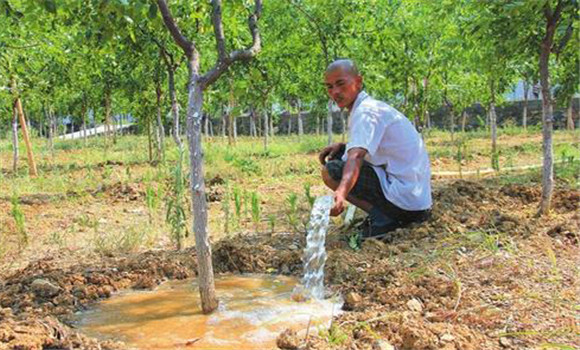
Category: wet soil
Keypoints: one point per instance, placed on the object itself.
(483, 273)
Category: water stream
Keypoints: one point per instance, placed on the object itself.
(315, 251)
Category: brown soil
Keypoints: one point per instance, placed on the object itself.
(483, 273)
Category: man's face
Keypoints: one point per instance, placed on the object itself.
(343, 87)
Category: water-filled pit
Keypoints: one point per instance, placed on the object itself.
(253, 310)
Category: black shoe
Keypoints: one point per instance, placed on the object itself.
(368, 230)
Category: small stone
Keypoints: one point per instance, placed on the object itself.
(351, 301)
(380, 344)
(44, 288)
(293, 247)
(446, 338)
(415, 305)
(288, 340)
(505, 342)
(285, 270)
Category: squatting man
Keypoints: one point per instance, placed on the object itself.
(384, 167)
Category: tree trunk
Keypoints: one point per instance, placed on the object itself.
(300, 121)
(329, 122)
(428, 119)
(149, 138)
(235, 128)
(107, 105)
(160, 128)
(265, 132)
(570, 114)
(547, 116)
(15, 139)
(317, 125)
(84, 122)
(289, 124)
(53, 130)
(272, 131)
(224, 124)
(231, 139)
(31, 164)
(525, 107)
(253, 130)
(493, 125)
(199, 205)
(463, 120)
(174, 108)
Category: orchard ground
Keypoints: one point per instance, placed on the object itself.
(483, 273)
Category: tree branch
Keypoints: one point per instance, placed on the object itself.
(216, 20)
(557, 50)
(319, 30)
(187, 46)
(224, 60)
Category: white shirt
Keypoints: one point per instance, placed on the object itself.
(394, 149)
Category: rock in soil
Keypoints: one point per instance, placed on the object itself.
(415, 305)
(44, 288)
(351, 301)
(288, 340)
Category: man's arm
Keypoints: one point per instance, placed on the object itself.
(350, 174)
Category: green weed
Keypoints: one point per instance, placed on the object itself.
(256, 211)
(308, 195)
(19, 219)
(292, 210)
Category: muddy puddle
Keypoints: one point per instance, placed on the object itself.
(253, 310)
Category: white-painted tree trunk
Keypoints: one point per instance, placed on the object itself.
(570, 115)
(265, 133)
(300, 121)
(15, 150)
(272, 130)
(493, 125)
(525, 106)
(160, 134)
(235, 125)
(199, 205)
(174, 109)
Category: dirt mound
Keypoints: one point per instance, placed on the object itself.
(567, 200)
(453, 282)
(124, 192)
(527, 194)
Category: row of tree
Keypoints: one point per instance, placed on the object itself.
(142, 57)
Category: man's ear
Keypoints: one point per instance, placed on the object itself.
(359, 82)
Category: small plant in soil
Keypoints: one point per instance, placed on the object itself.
(18, 217)
(256, 211)
(308, 195)
(237, 193)
(292, 210)
(272, 222)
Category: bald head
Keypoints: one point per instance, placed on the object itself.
(343, 82)
(345, 65)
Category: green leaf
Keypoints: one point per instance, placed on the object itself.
(50, 6)
(152, 11)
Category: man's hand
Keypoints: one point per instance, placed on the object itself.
(330, 152)
(338, 207)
